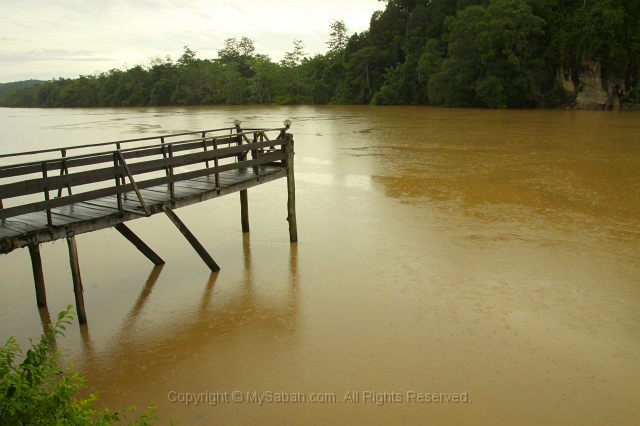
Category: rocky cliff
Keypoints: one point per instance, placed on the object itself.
(591, 92)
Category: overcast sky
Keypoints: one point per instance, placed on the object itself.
(43, 39)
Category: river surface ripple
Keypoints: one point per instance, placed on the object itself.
(495, 253)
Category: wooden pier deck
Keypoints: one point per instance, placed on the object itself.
(53, 195)
(99, 213)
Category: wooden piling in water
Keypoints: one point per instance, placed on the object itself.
(192, 240)
(244, 210)
(38, 275)
(140, 245)
(45, 319)
(109, 206)
(77, 279)
(291, 192)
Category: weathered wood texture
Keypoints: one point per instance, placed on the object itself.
(30, 223)
(244, 210)
(291, 192)
(116, 190)
(192, 240)
(140, 245)
(38, 275)
(45, 184)
(77, 280)
(102, 213)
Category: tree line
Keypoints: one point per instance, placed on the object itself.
(481, 53)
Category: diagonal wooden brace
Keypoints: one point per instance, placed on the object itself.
(140, 245)
(192, 239)
(133, 182)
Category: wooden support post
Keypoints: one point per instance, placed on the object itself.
(77, 279)
(192, 240)
(172, 186)
(38, 276)
(119, 194)
(122, 175)
(140, 245)
(45, 320)
(291, 192)
(204, 144)
(46, 194)
(244, 210)
(254, 155)
(216, 164)
(64, 170)
(241, 155)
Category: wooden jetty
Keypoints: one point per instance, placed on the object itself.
(49, 195)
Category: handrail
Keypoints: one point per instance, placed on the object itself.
(120, 168)
(42, 151)
(36, 185)
(120, 189)
(93, 154)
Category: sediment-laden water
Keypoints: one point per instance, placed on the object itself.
(493, 254)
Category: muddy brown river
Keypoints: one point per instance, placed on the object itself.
(479, 267)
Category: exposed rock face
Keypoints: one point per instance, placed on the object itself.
(589, 90)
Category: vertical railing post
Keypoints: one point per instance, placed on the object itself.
(64, 170)
(254, 155)
(119, 194)
(204, 144)
(241, 155)
(172, 186)
(122, 175)
(291, 191)
(215, 164)
(164, 155)
(46, 193)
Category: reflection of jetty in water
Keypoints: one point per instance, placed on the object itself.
(214, 323)
(164, 173)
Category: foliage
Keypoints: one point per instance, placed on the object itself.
(490, 57)
(17, 85)
(36, 390)
(337, 36)
(483, 53)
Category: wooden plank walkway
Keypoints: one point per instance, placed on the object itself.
(100, 189)
(13, 228)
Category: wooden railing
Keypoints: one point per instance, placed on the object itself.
(66, 174)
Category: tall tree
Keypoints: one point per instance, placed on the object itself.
(337, 36)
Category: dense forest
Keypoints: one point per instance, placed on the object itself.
(481, 53)
(17, 85)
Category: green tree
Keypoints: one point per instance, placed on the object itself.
(291, 63)
(235, 84)
(337, 36)
(188, 57)
(264, 82)
(238, 52)
(490, 58)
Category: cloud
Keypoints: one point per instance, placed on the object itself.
(236, 7)
(98, 34)
(53, 55)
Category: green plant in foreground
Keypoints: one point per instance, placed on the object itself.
(37, 391)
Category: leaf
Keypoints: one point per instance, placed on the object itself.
(11, 391)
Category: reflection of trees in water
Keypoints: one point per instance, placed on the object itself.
(195, 331)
